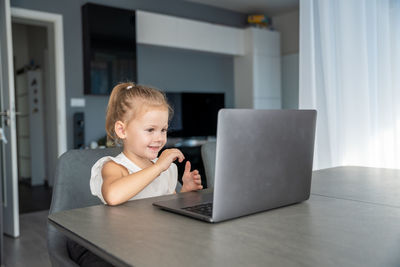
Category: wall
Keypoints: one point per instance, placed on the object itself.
(288, 25)
(19, 45)
(95, 105)
(167, 69)
(290, 81)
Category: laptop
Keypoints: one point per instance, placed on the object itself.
(263, 161)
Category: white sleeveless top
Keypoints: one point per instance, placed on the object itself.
(162, 185)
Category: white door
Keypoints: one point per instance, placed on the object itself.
(8, 145)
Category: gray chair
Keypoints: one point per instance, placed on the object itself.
(208, 157)
(71, 190)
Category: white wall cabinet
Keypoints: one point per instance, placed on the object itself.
(164, 30)
(257, 63)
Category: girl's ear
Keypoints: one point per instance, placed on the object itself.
(119, 129)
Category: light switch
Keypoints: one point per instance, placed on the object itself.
(77, 102)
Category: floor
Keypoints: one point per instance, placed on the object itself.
(33, 198)
(30, 249)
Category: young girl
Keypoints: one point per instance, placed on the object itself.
(137, 117)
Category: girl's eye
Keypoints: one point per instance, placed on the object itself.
(150, 130)
(164, 130)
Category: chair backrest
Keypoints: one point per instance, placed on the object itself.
(208, 157)
(72, 190)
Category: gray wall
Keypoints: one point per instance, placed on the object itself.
(171, 70)
(290, 81)
(95, 105)
(288, 25)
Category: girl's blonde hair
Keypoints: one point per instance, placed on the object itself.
(126, 100)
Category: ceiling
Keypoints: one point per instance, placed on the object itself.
(266, 7)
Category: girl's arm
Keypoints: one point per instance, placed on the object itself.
(119, 186)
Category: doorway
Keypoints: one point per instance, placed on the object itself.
(53, 23)
(35, 120)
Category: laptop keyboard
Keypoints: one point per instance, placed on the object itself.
(203, 209)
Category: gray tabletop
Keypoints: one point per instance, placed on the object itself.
(345, 227)
(372, 185)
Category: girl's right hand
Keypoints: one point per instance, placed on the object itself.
(167, 157)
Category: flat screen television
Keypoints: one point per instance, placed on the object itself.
(195, 114)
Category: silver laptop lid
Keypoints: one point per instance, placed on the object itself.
(263, 160)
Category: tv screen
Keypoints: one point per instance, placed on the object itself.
(195, 114)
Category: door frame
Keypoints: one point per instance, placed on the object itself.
(54, 24)
(9, 152)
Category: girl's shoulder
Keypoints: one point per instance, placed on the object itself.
(112, 166)
(96, 177)
(109, 161)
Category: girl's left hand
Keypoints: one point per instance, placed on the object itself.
(191, 180)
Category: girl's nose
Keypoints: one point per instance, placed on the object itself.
(160, 136)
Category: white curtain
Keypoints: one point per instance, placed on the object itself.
(350, 73)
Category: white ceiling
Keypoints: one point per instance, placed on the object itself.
(267, 7)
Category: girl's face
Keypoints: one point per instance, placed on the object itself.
(146, 134)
